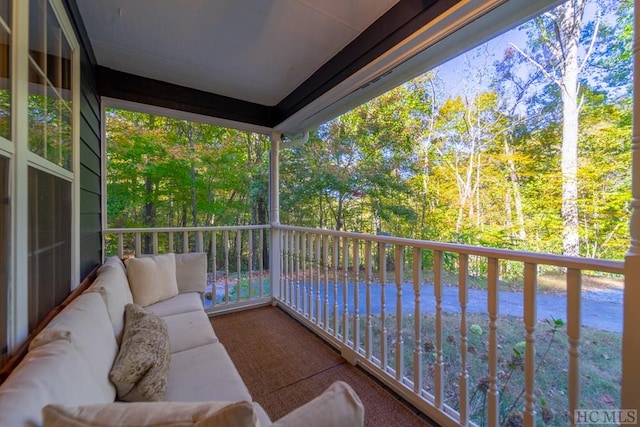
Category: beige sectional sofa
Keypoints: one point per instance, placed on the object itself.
(66, 377)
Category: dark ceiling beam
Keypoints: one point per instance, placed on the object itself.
(402, 20)
(143, 90)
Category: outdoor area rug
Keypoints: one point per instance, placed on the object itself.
(285, 365)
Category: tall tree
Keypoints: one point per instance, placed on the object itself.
(554, 41)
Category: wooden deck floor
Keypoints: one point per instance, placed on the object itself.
(284, 365)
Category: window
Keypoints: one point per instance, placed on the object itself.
(50, 183)
(49, 86)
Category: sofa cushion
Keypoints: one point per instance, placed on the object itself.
(191, 272)
(188, 330)
(140, 370)
(204, 373)
(86, 324)
(165, 414)
(181, 303)
(112, 284)
(152, 278)
(338, 405)
(54, 372)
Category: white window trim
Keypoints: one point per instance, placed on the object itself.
(22, 159)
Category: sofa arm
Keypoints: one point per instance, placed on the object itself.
(337, 406)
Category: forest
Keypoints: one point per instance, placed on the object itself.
(520, 145)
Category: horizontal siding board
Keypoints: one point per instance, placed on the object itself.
(89, 158)
(89, 224)
(91, 253)
(89, 180)
(88, 114)
(89, 203)
(89, 137)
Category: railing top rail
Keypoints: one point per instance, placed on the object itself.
(578, 263)
(181, 229)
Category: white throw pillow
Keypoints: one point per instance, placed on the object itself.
(157, 414)
(338, 405)
(191, 272)
(152, 279)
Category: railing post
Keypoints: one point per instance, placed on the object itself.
(630, 395)
(274, 217)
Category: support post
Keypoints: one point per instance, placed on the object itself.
(630, 396)
(274, 217)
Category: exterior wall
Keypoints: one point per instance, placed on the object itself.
(90, 150)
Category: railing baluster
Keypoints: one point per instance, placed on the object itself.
(303, 262)
(250, 254)
(492, 303)
(463, 274)
(120, 245)
(309, 268)
(437, 290)
(399, 270)
(261, 263)
(226, 266)
(336, 259)
(284, 245)
(298, 255)
(382, 256)
(530, 289)
(368, 337)
(292, 269)
(325, 263)
(319, 279)
(214, 264)
(185, 242)
(138, 244)
(239, 265)
(200, 242)
(171, 248)
(154, 240)
(356, 301)
(574, 309)
(417, 326)
(345, 290)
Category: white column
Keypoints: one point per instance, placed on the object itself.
(274, 216)
(630, 332)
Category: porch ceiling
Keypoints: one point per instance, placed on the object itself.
(268, 64)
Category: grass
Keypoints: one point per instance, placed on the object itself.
(600, 364)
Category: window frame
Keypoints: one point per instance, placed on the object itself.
(21, 159)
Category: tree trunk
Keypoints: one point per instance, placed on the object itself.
(569, 22)
(515, 187)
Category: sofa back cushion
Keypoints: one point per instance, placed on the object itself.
(52, 373)
(86, 325)
(191, 272)
(112, 284)
(152, 278)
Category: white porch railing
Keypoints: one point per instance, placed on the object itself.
(350, 289)
(238, 258)
(384, 302)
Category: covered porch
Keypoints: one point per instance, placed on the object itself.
(426, 320)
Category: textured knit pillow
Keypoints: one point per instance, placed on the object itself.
(156, 414)
(141, 368)
(152, 279)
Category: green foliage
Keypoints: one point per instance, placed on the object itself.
(479, 166)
